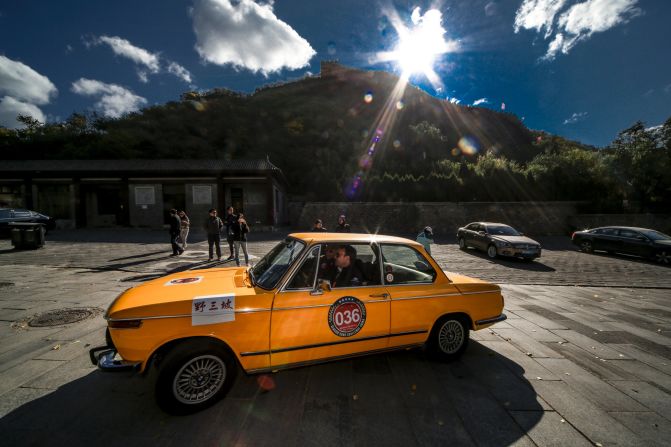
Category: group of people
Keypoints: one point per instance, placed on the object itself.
(233, 226)
(425, 237)
(342, 227)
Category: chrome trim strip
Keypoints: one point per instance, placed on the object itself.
(425, 296)
(501, 317)
(323, 305)
(331, 359)
(158, 317)
(340, 342)
(484, 291)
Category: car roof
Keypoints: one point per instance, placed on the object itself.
(624, 228)
(351, 237)
(491, 223)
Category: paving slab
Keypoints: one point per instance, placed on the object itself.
(652, 397)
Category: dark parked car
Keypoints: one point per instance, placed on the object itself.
(498, 239)
(642, 242)
(10, 215)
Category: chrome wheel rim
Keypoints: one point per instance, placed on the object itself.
(663, 257)
(199, 379)
(586, 246)
(451, 337)
(491, 251)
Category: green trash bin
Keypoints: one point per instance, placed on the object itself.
(27, 235)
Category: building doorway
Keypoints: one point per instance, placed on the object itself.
(174, 196)
(236, 200)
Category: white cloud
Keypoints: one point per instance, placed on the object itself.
(123, 47)
(247, 35)
(148, 62)
(453, 100)
(577, 23)
(10, 108)
(577, 116)
(537, 14)
(491, 9)
(477, 102)
(179, 71)
(23, 83)
(114, 99)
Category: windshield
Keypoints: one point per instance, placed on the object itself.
(502, 231)
(268, 271)
(655, 235)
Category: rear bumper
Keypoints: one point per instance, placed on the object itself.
(480, 324)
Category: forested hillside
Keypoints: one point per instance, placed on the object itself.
(359, 135)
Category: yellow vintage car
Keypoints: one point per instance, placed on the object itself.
(314, 297)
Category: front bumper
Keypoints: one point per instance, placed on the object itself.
(104, 357)
(519, 252)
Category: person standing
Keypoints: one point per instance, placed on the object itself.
(318, 226)
(213, 226)
(426, 238)
(240, 230)
(184, 228)
(175, 225)
(230, 220)
(343, 226)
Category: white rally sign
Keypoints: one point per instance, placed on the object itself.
(212, 309)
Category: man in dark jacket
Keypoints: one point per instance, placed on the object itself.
(213, 226)
(343, 226)
(175, 227)
(346, 273)
(230, 220)
(318, 226)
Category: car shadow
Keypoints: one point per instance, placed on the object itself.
(401, 398)
(514, 263)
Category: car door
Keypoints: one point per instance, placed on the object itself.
(309, 323)
(411, 282)
(606, 239)
(479, 239)
(634, 243)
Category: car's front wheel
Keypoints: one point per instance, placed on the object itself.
(449, 338)
(193, 376)
(663, 257)
(462, 243)
(586, 246)
(491, 251)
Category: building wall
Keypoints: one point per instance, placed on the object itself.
(197, 206)
(148, 215)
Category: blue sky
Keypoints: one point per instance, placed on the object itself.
(583, 69)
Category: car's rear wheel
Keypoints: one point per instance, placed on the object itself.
(586, 246)
(449, 338)
(462, 243)
(663, 257)
(193, 376)
(491, 251)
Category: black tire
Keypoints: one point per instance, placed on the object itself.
(449, 338)
(492, 252)
(462, 244)
(207, 370)
(586, 246)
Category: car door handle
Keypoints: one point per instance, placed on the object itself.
(379, 295)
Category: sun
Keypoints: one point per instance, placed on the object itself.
(419, 45)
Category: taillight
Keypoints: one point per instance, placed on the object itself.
(124, 324)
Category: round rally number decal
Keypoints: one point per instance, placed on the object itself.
(347, 316)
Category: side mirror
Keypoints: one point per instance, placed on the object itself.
(323, 285)
(522, 234)
(482, 233)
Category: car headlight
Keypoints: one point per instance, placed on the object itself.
(503, 244)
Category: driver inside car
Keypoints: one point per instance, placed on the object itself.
(346, 273)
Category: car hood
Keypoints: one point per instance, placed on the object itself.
(516, 239)
(174, 294)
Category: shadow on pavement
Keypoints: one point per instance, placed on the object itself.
(514, 263)
(389, 399)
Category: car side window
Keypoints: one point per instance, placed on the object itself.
(405, 265)
(628, 233)
(21, 213)
(5, 214)
(472, 227)
(306, 275)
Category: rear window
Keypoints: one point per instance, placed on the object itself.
(606, 231)
(4, 214)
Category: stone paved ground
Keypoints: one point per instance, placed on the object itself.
(585, 365)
